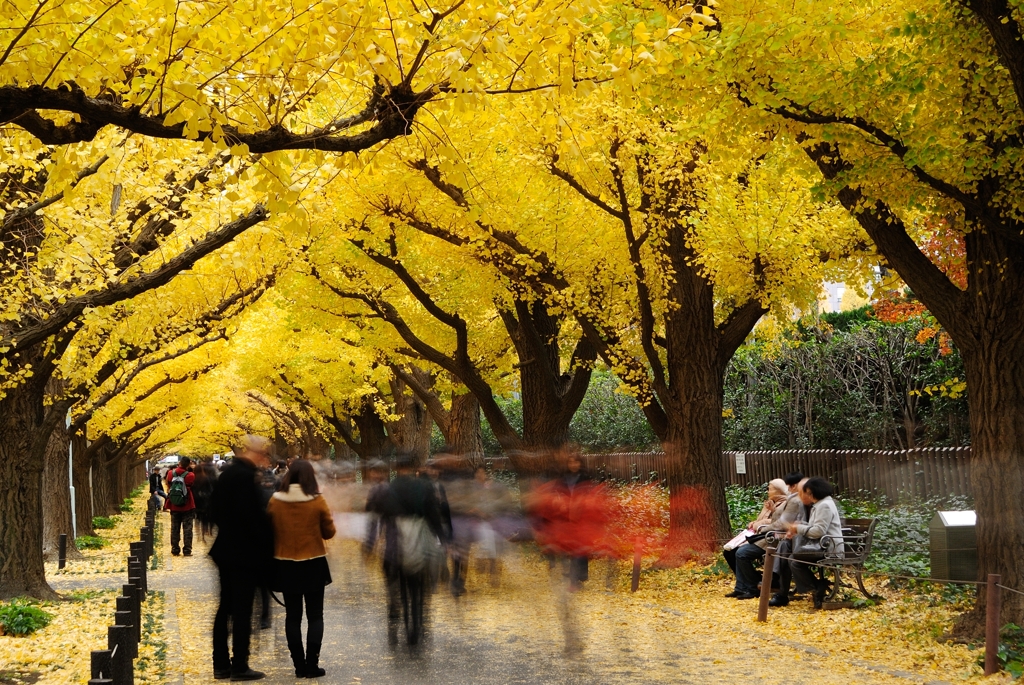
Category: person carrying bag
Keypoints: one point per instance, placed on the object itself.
(302, 521)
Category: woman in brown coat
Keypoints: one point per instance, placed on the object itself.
(302, 521)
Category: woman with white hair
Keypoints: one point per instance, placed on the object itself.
(779, 493)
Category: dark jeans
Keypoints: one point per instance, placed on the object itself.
(237, 592)
(179, 520)
(730, 558)
(746, 574)
(405, 602)
(801, 572)
(314, 601)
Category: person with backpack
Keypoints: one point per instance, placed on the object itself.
(182, 505)
(302, 521)
(411, 519)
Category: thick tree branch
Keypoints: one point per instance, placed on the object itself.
(26, 337)
(392, 111)
(734, 330)
(889, 233)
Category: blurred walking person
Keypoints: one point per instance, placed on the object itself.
(242, 551)
(182, 505)
(206, 476)
(302, 521)
(411, 519)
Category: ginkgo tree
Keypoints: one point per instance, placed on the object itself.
(914, 115)
(665, 240)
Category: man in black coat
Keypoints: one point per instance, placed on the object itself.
(243, 552)
(406, 497)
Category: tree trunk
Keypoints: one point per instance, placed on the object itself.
(463, 435)
(411, 432)
(57, 495)
(699, 515)
(83, 490)
(994, 361)
(21, 496)
(103, 496)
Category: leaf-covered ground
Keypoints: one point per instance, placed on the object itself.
(60, 652)
(677, 629)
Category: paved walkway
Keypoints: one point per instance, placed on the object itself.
(518, 633)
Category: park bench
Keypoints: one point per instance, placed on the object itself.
(855, 546)
(847, 553)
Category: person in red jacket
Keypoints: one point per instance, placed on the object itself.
(181, 504)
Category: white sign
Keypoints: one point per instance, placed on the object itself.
(741, 463)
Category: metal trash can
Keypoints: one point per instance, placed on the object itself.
(954, 546)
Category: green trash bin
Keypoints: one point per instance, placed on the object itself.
(954, 546)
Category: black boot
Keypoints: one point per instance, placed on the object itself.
(313, 669)
(778, 600)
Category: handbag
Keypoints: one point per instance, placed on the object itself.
(806, 545)
(420, 548)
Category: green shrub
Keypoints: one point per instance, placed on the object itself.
(103, 522)
(126, 505)
(89, 542)
(902, 538)
(21, 618)
(745, 504)
(1011, 651)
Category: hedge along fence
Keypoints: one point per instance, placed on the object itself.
(920, 473)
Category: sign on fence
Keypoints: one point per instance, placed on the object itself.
(741, 463)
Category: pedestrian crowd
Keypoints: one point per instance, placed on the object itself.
(272, 519)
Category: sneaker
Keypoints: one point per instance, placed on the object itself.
(248, 674)
(175, 554)
(188, 554)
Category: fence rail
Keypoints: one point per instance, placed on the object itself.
(897, 474)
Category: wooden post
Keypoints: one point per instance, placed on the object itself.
(766, 584)
(993, 603)
(636, 566)
(100, 666)
(62, 550)
(121, 666)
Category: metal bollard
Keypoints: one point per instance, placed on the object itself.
(766, 584)
(993, 604)
(62, 550)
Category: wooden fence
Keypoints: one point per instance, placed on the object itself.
(897, 474)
